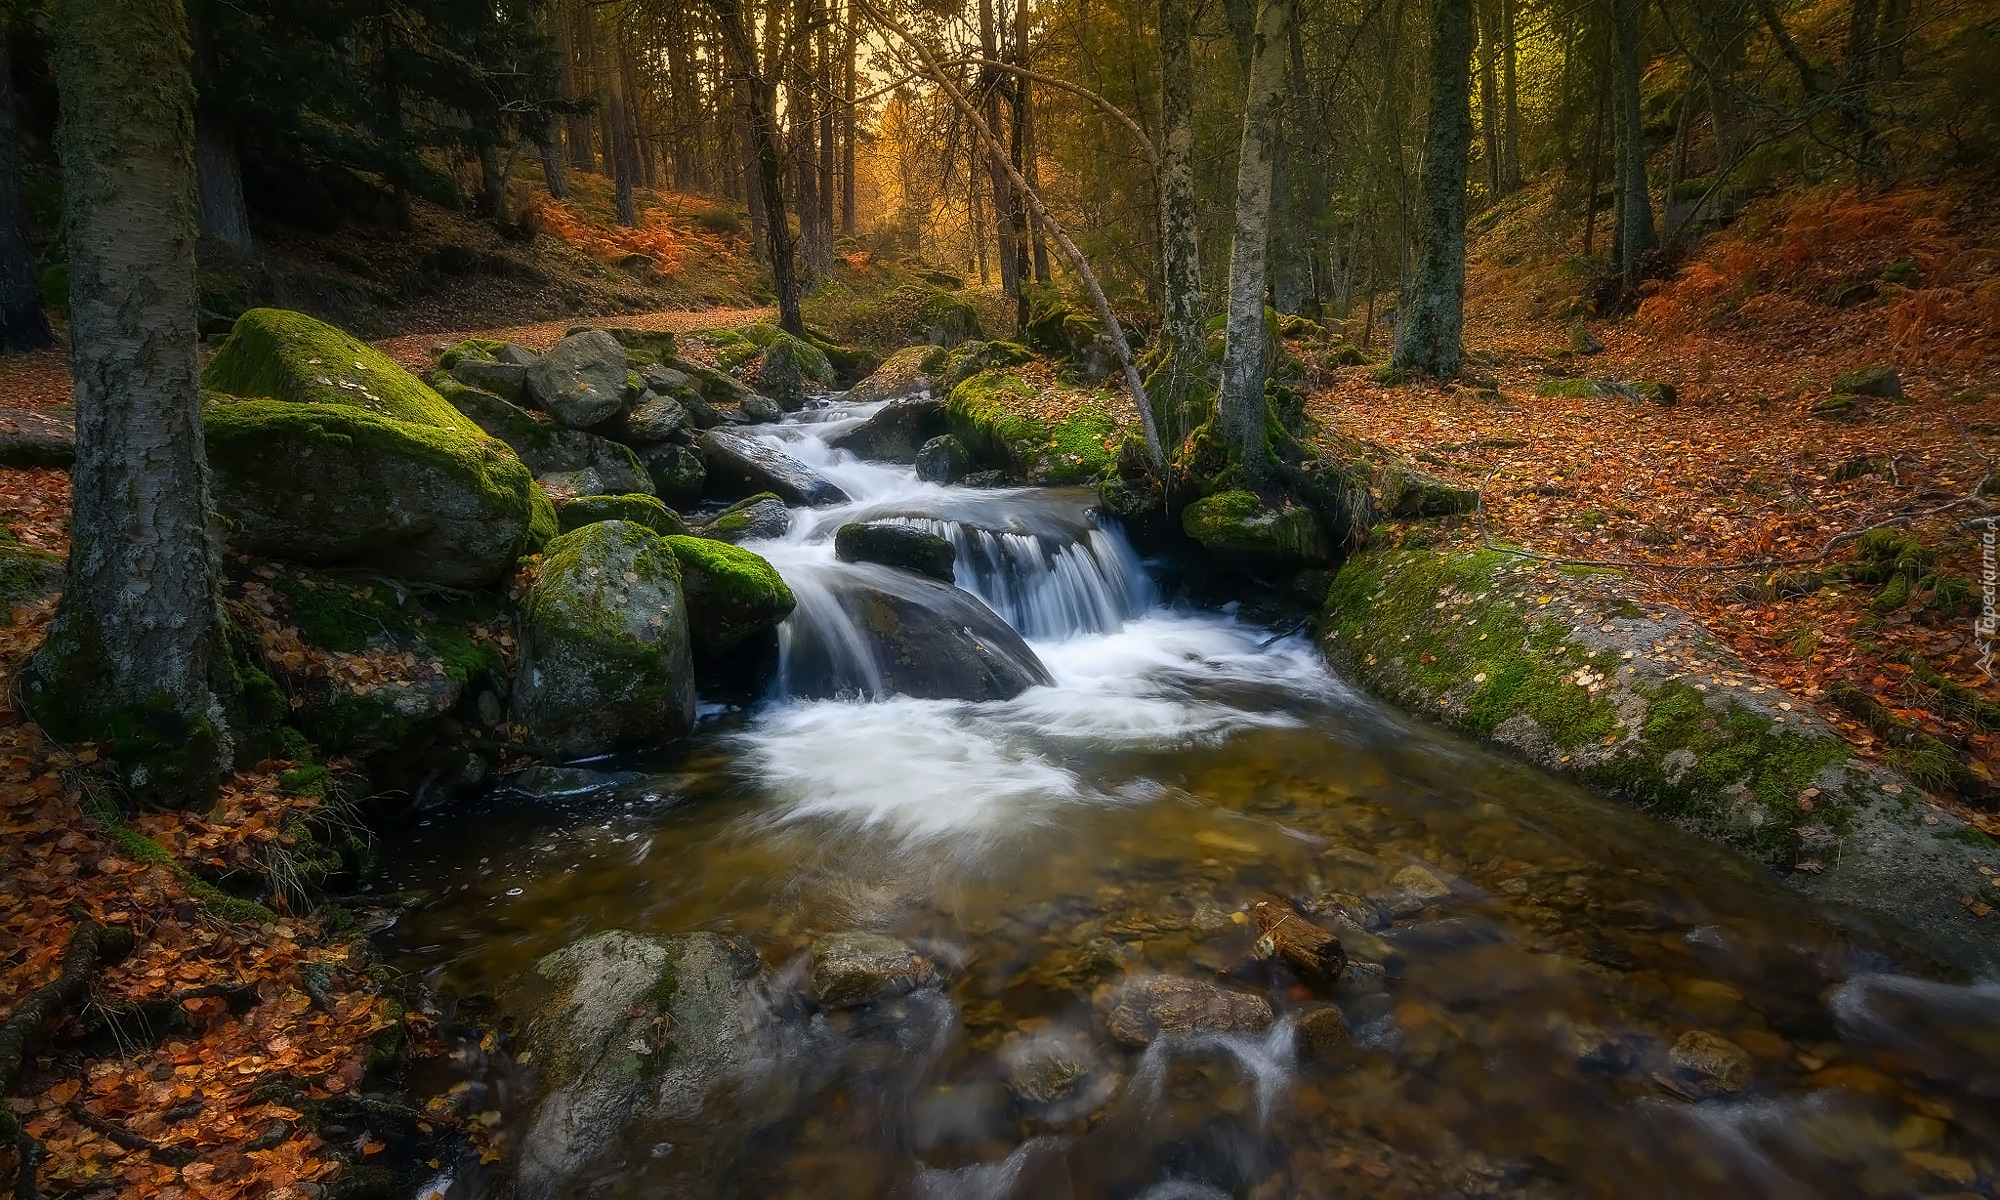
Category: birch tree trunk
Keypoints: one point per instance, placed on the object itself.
(1431, 320)
(997, 165)
(137, 644)
(1180, 253)
(1241, 411)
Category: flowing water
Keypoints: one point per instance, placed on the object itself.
(1530, 960)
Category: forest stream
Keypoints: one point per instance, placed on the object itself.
(1548, 994)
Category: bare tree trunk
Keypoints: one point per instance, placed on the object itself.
(1510, 108)
(554, 172)
(220, 212)
(976, 215)
(1855, 78)
(848, 119)
(1430, 322)
(1636, 234)
(137, 645)
(761, 113)
(1003, 226)
(1240, 409)
(23, 324)
(746, 142)
(1595, 155)
(1489, 104)
(571, 51)
(1180, 254)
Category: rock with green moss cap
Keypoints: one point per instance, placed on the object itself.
(627, 1031)
(604, 644)
(731, 594)
(1578, 672)
(279, 355)
(636, 507)
(36, 438)
(509, 381)
(581, 381)
(1241, 528)
(752, 519)
(334, 485)
(943, 319)
(790, 368)
(987, 413)
(893, 544)
(1880, 379)
(549, 449)
(900, 377)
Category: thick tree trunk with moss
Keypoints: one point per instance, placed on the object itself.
(23, 324)
(1636, 234)
(1432, 322)
(1246, 361)
(138, 641)
(1180, 252)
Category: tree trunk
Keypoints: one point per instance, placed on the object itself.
(1510, 108)
(220, 212)
(23, 324)
(1855, 78)
(761, 111)
(975, 209)
(1180, 252)
(1595, 156)
(1489, 104)
(137, 644)
(753, 187)
(549, 142)
(1431, 319)
(1241, 411)
(571, 51)
(1003, 201)
(1636, 234)
(619, 152)
(848, 119)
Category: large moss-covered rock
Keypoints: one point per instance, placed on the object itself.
(548, 449)
(748, 520)
(604, 644)
(279, 355)
(790, 368)
(331, 484)
(509, 381)
(896, 431)
(740, 465)
(636, 507)
(986, 414)
(893, 544)
(36, 438)
(900, 377)
(928, 640)
(1240, 527)
(943, 319)
(1880, 379)
(581, 380)
(1580, 673)
(731, 594)
(628, 1032)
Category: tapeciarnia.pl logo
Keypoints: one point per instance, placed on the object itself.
(1986, 629)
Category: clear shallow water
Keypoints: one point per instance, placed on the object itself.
(1515, 1040)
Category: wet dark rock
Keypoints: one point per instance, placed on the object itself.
(943, 460)
(740, 465)
(930, 640)
(891, 544)
(985, 479)
(1138, 1010)
(676, 471)
(652, 418)
(30, 438)
(627, 1029)
(639, 508)
(851, 970)
(576, 461)
(761, 410)
(1323, 1034)
(1055, 1074)
(754, 519)
(1880, 379)
(896, 432)
(732, 594)
(581, 380)
(1706, 1065)
(556, 783)
(1413, 889)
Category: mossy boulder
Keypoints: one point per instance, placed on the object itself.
(1401, 490)
(547, 449)
(36, 438)
(731, 594)
(943, 460)
(636, 507)
(604, 644)
(627, 1030)
(279, 355)
(1056, 329)
(943, 319)
(658, 345)
(790, 367)
(1241, 528)
(339, 485)
(509, 381)
(949, 368)
(751, 519)
(582, 380)
(893, 544)
(986, 414)
(900, 377)
(1879, 379)
(1577, 672)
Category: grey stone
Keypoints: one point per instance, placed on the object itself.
(892, 544)
(740, 465)
(943, 460)
(852, 970)
(896, 432)
(509, 381)
(581, 380)
(32, 438)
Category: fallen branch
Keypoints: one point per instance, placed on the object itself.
(89, 944)
(125, 1139)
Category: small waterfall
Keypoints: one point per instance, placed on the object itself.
(1048, 588)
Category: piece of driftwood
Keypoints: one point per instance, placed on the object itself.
(1313, 952)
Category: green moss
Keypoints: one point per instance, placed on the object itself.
(26, 573)
(1968, 836)
(1696, 758)
(283, 355)
(474, 349)
(574, 555)
(731, 574)
(983, 413)
(639, 508)
(542, 523)
(1566, 389)
(144, 849)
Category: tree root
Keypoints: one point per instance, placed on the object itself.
(89, 945)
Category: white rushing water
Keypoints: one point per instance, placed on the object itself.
(1128, 673)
